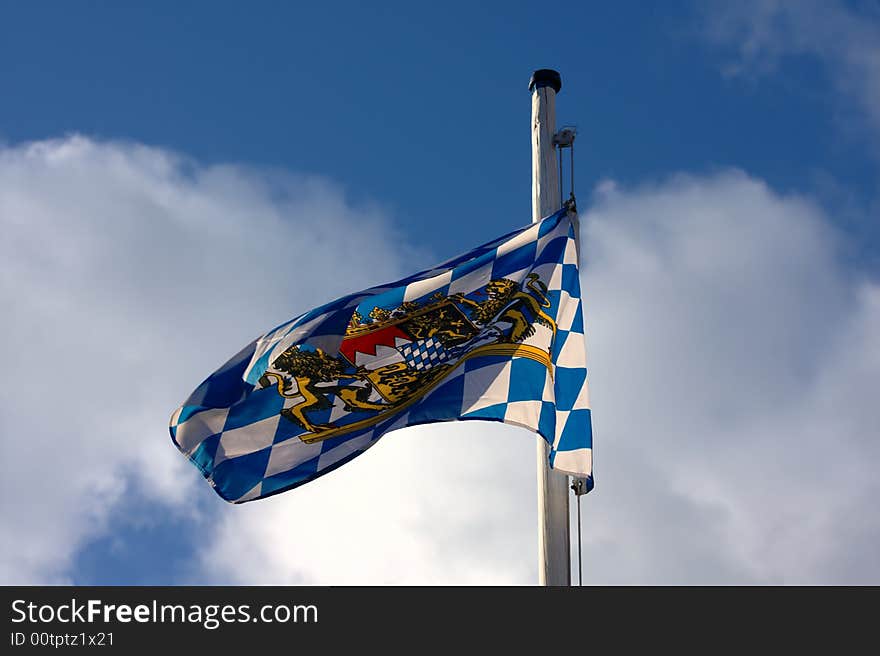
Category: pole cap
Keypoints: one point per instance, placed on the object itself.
(545, 77)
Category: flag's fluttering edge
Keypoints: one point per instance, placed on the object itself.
(495, 334)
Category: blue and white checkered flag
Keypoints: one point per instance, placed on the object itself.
(495, 334)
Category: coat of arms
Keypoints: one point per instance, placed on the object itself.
(392, 357)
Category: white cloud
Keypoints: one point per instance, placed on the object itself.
(430, 505)
(734, 359)
(845, 39)
(128, 274)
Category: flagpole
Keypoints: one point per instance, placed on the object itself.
(554, 563)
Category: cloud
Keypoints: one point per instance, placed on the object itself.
(733, 358)
(844, 38)
(128, 274)
(439, 504)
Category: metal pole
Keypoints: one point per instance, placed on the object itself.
(554, 560)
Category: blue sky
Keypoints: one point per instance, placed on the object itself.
(384, 100)
(404, 129)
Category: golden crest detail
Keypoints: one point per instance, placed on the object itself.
(391, 358)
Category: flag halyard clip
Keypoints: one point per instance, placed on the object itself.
(579, 486)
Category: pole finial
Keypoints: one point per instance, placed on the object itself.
(545, 77)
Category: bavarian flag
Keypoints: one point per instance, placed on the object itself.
(495, 334)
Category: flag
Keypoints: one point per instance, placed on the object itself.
(495, 334)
